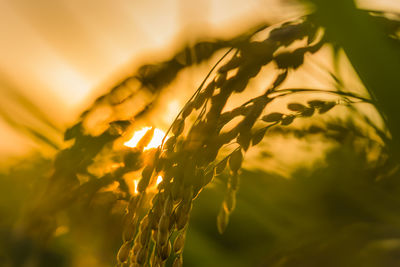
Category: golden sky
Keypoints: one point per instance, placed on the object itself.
(61, 54)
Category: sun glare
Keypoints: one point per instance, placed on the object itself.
(155, 141)
(135, 183)
(159, 180)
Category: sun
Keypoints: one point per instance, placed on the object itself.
(135, 184)
(155, 141)
(159, 180)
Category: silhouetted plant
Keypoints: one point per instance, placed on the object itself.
(197, 147)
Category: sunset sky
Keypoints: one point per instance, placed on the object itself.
(62, 54)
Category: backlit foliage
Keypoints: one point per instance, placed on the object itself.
(155, 185)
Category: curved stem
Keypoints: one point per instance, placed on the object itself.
(288, 91)
(195, 93)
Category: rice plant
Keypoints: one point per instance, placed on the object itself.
(154, 189)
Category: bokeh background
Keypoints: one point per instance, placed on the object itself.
(304, 201)
(61, 55)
